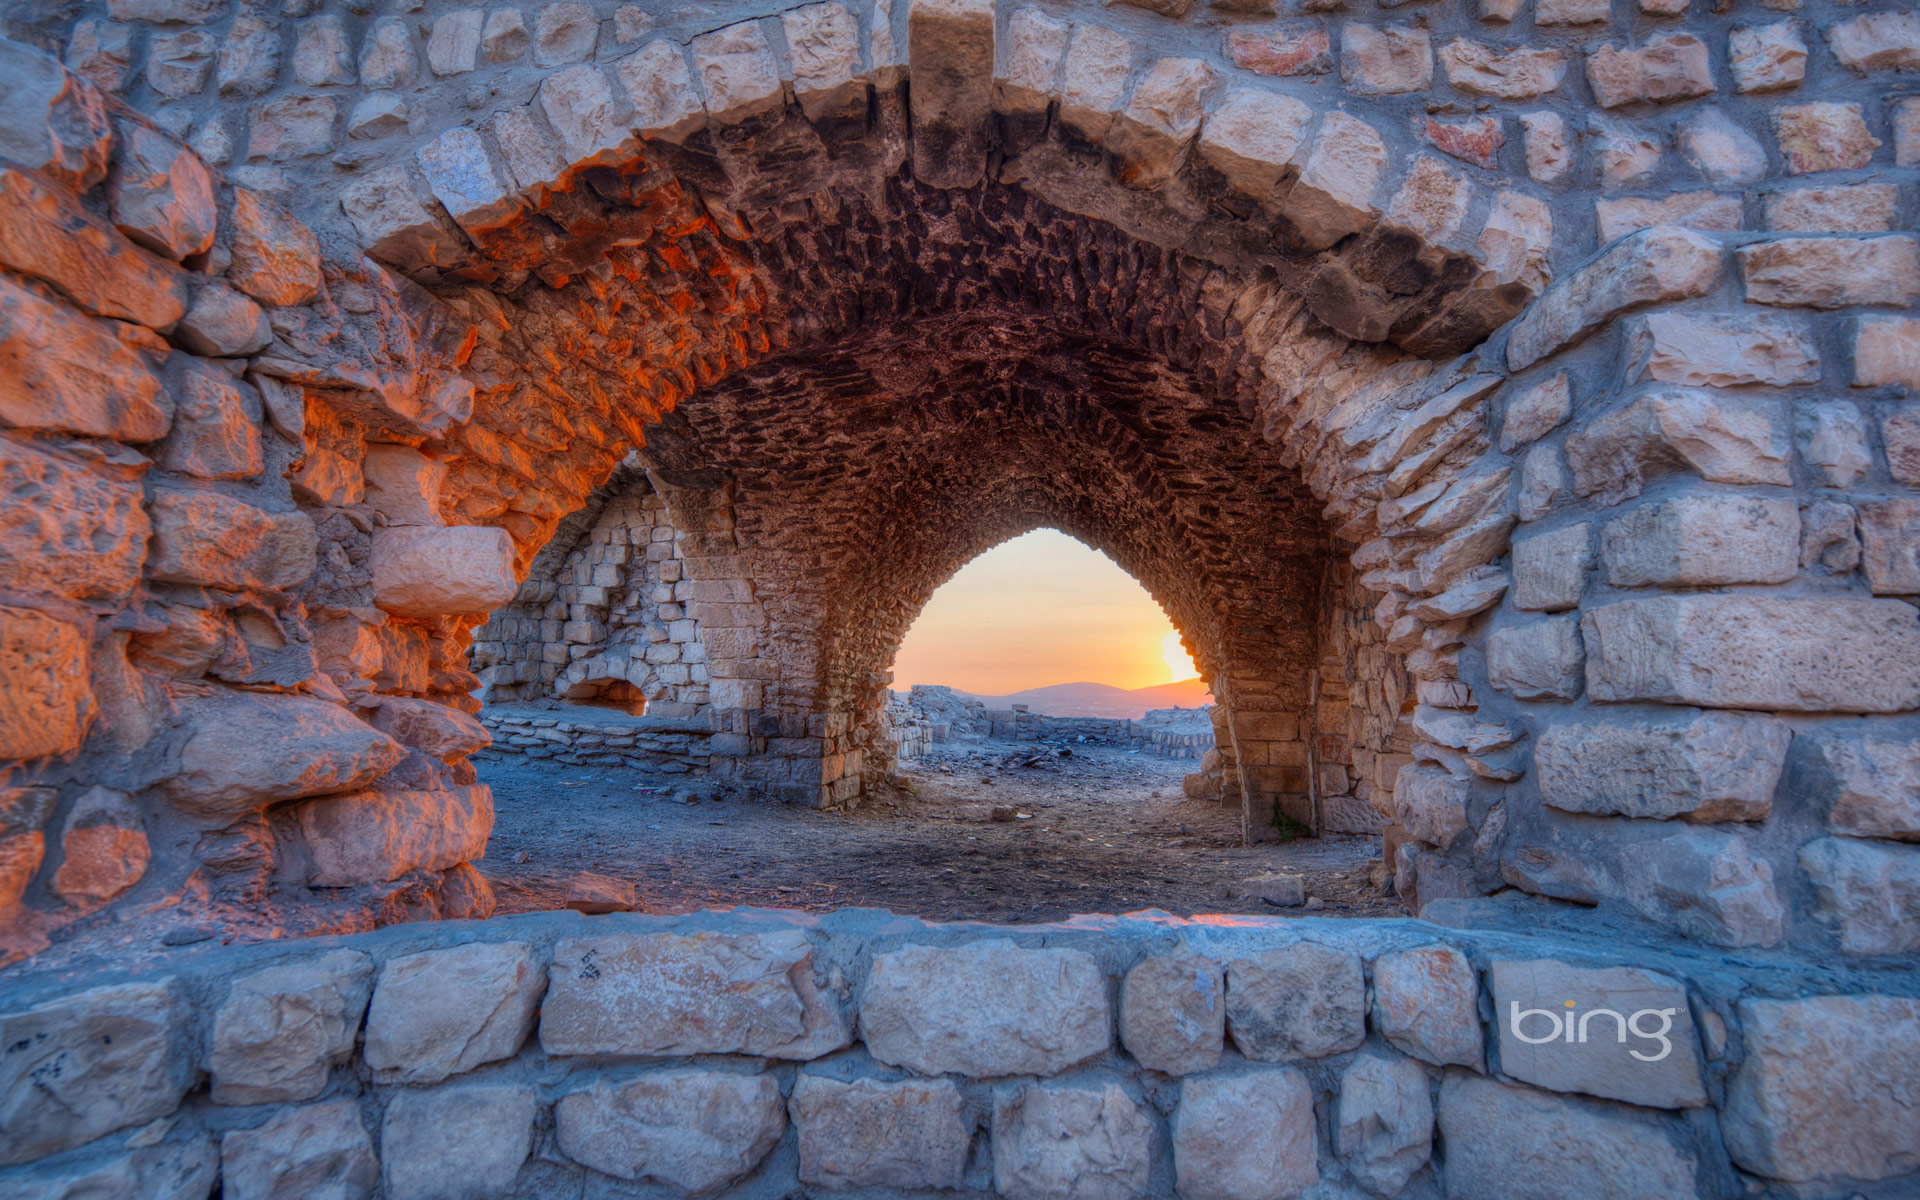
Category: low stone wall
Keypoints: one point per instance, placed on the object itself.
(765, 1054)
(592, 737)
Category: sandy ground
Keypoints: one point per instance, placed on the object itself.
(1095, 830)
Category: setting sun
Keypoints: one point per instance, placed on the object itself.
(1178, 660)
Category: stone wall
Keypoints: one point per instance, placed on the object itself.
(581, 735)
(763, 1054)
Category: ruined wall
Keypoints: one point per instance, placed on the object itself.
(1133, 1056)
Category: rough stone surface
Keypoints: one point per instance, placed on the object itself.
(1823, 136)
(1826, 272)
(1426, 1003)
(241, 751)
(319, 1150)
(1550, 569)
(1869, 891)
(1537, 660)
(275, 258)
(103, 847)
(1383, 1120)
(457, 1143)
(46, 702)
(61, 371)
(1300, 1001)
(376, 837)
(1173, 1013)
(1874, 785)
(281, 1031)
(443, 1012)
(1515, 1143)
(1705, 766)
(213, 540)
(1070, 1143)
(1653, 265)
(985, 1010)
(1716, 350)
(1691, 541)
(1723, 440)
(1245, 1135)
(424, 571)
(1633, 1037)
(1707, 885)
(910, 1135)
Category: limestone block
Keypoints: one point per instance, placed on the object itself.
(1246, 1135)
(1173, 1013)
(375, 837)
(1467, 598)
(737, 71)
(183, 1169)
(1822, 1092)
(1890, 543)
(1718, 349)
(23, 810)
(1094, 79)
(1869, 891)
(1548, 149)
(505, 36)
(1856, 208)
(1651, 266)
(465, 181)
(403, 485)
(1633, 1036)
(1670, 67)
(1385, 59)
(81, 533)
(1823, 136)
(1300, 1001)
(1628, 155)
(1886, 350)
(592, 121)
(61, 371)
(322, 52)
(430, 727)
(443, 1012)
(392, 218)
(100, 52)
(276, 259)
(950, 51)
(46, 700)
(1766, 58)
(564, 32)
(1515, 1143)
(216, 424)
(1724, 439)
(1900, 435)
(1877, 41)
(1829, 272)
(1431, 805)
(663, 995)
(1517, 240)
(1383, 1124)
(1070, 1143)
(695, 1129)
(224, 324)
(1252, 137)
(249, 61)
(291, 127)
(1161, 118)
(1543, 479)
(1693, 541)
(1571, 12)
(178, 64)
(241, 751)
(1333, 196)
(103, 847)
(1036, 48)
(280, 1031)
(823, 42)
(51, 120)
(1519, 74)
(1873, 783)
(1285, 49)
(422, 571)
(1827, 655)
(1693, 210)
(1550, 569)
(161, 195)
(453, 48)
(464, 1142)
(1706, 885)
(1533, 411)
(320, 1150)
(1702, 766)
(48, 235)
(985, 1010)
(1432, 201)
(85, 1065)
(1426, 1002)
(1832, 437)
(1537, 660)
(911, 1135)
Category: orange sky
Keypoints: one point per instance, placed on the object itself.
(1039, 609)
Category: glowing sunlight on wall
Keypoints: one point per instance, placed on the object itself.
(1038, 610)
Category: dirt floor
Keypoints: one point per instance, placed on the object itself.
(1094, 829)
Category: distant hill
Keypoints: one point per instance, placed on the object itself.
(1103, 700)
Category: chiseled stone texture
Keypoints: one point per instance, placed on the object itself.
(186, 1168)
(1383, 1120)
(240, 751)
(696, 1129)
(441, 1012)
(911, 1135)
(1246, 1134)
(319, 1150)
(1873, 783)
(1724, 439)
(1067, 1142)
(985, 1010)
(1550, 569)
(377, 836)
(281, 1031)
(1825, 1090)
(1662, 264)
(85, 1065)
(1832, 272)
(461, 1142)
(1692, 541)
(1426, 1002)
(1869, 891)
(1719, 349)
(1299, 1001)
(1703, 766)
(1173, 1012)
(1633, 1041)
(665, 994)
(46, 703)
(1505, 1142)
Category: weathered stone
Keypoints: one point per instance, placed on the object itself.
(1693, 541)
(320, 1150)
(23, 810)
(592, 893)
(1823, 136)
(276, 259)
(1633, 1038)
(1886, 350)
(1173, 1013)
(1290, 48)
(249, 60)
(1571, 12)
(67, 528)
(376, 837)
(425, 571)
(45, 234)
(453, 48)
(291, 127)
(1628, 155)
(281, 1031)
(1550, 569)
(660, 87)
(1476, 141)
(1537, 660)
(1385, 59)
(1725, 440)
(1245, 1135)
(1705, 767)
(1094, 79)
(241, 751)
(1517, 240)
(85, 1065)
(1791, 655)
(1534, 411)
(1827, 537)
(1833, 438)
(564, 32)
(505, 37)
(1432, 201)
(322, 53)
(1706, 885)
(1673, 66)
(1160, 119)
(737, 71)
(1036, 48)
(1877, 41)
(167, 12)
(182, 1169)
(1383, 1124)
(1691, 210)
(216, 424)
(950, 47)
(1719, 350)
(1900, 435)
(212, 540)
(100, 52)
(1651, 266)
(823, 42)
(457, 1143)
(1765, 58)
(911, 1135)
(1869, 891)
(591, 120)
(161, 194)
(224, 324)
(178, 64)
(1426, 1002)
(464, 180)
(387, 59)
(695, 1129)
(1874, 784)
(1333, 196)
(1252, 138)
(1519, 74)
(103, 847)
(46, 702)
(430, 727)
(664, 995)
(1431, 805)
(1514, 1143)
(1548, 148)
(985, 1010)
(1300, 1001)
(1821, 1093)
(1721, 149)
(1070, 1143)
(64, 372)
